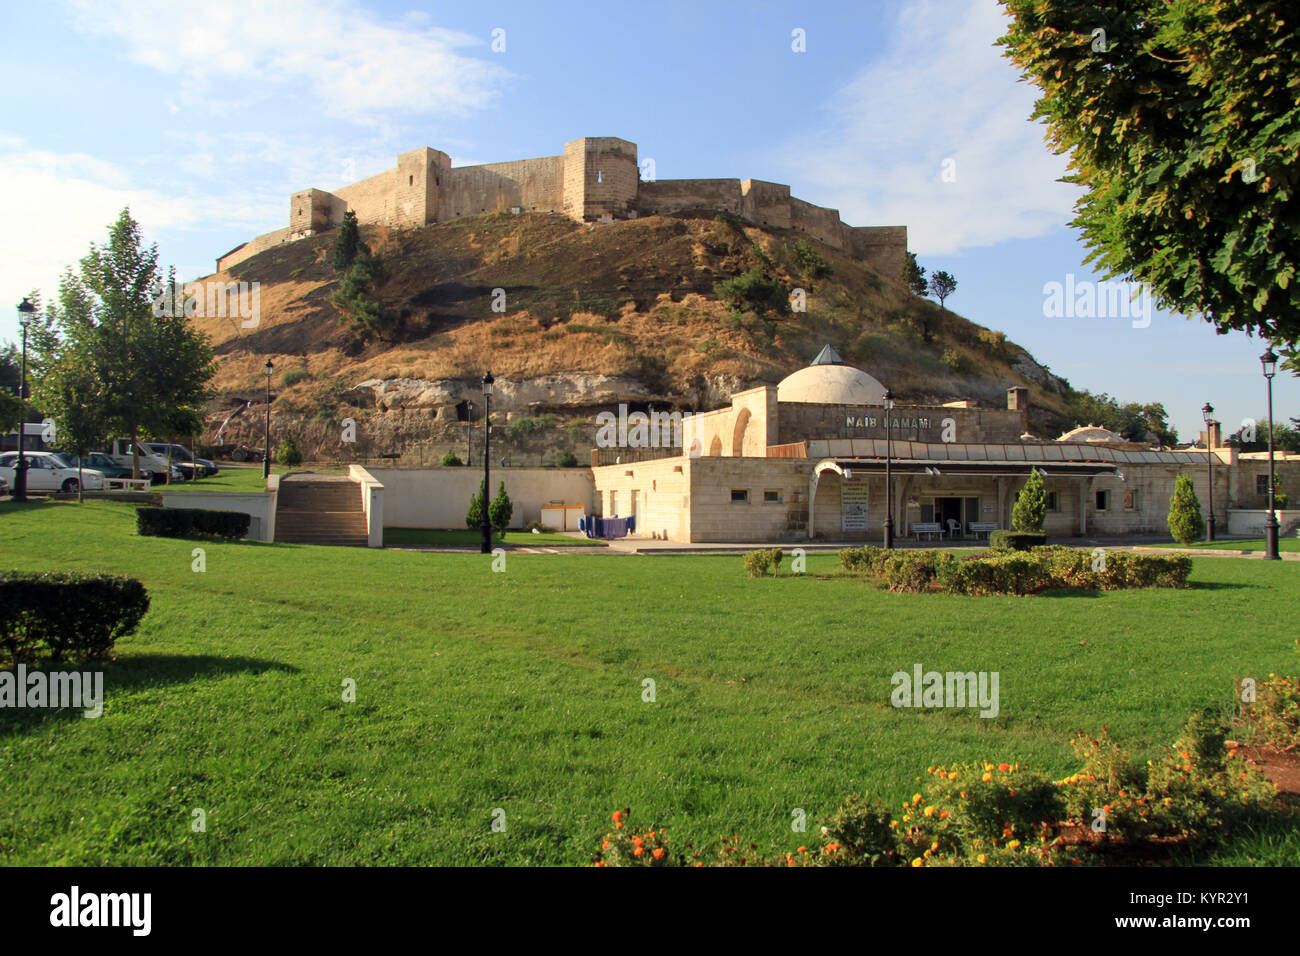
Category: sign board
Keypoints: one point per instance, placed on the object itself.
(853, 505)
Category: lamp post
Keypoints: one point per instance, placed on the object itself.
(889, 485)
(26, 313)
(485, 522)
(1207, 413)
(469, 435)
(1269, 361)
(266, 444)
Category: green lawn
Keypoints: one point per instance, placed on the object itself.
(1252, 544)
(229, 478)
(464, 538)
(523, 690)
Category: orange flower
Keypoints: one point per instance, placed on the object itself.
(943, 814)
(832, 847)
(1004, 767)
(618, 815)
(658, 854)
(637, 841)
(638, 851)
(803, 849)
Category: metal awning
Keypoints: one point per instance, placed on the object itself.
(990, 469)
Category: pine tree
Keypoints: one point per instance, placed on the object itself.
(347, 244)
(1185, 522)
(914, 275)
(1031, 506)
(501, 510)
(474, 517)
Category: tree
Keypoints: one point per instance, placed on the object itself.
(810, 263)
(1185, 522)
(914, 275)
(112, 321)
(356, 297)
(1181, 122)
(1134, 421)
(347, 244)
(501, 510)
(76, 400)
(566, 459)
(474, 516)
(1285, 437)
(1031, 506)
(942, 285)
(451, 460)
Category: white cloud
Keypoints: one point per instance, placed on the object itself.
(354, 63)
(941, 91)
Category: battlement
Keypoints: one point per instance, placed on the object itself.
(596, 178)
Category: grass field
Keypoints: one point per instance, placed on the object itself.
(1253, 544)
(464, 538)
(523, 691)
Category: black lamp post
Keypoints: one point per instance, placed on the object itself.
(1207, 413)
(266, 444)
(469, 436)
(1269, 361)
(889, 454)
(26, 313)
(485, 522)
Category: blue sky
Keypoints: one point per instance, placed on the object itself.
(205, 116)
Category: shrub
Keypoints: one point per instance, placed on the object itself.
(636, 847)
(757, 562)
(61, 617)
(909, 571)
(752, 290)
(866, 559)
(1274, 716)
(474, 516)
(954, 360)
(860, 833)
(191, 523)
(811, 264)
(451, 460)
(566, 459)
(1185, 522)
(1031, 505)
(1003, 540)
(289, 454)
(293, 377)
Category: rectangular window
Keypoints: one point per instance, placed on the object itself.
(771, 497)
(1261, 484)
(739, 494)
(1103, 500)
(1053, 504)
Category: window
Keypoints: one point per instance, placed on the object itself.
(771, 497)
(1103, 500)
(1130, 500)
(1053, 503)
(1261, 484)
(739, 494)
(613, 504)
(410, 181)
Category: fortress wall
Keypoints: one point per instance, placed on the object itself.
(820, 223)
(472, 190)
(371, 199)
(884, 248)
(765, 203)
(253, 247)
(667, 196)
(601, 177)
(540, 182)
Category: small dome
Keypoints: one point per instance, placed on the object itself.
(829, 382)
(1092, 433)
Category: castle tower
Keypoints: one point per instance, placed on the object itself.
(601, 177)
(421, 178)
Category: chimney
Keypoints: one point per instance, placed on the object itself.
(1216, 435)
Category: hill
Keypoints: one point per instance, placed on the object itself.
(593, 314)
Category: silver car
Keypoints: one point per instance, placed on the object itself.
(47, 471)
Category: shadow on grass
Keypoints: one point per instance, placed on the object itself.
(1221, 585)
(137, 673)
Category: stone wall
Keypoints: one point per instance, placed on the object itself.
(253, 247)
(439, 497)
(666, 197)
(800, 420)
(663, 495)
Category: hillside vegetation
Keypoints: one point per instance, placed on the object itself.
(633, 301)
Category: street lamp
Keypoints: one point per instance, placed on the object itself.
(889, 454)
(266, 444)
(485, 523)
(469, 435)
(26, 313)
(1269, 361)
(1207, 413)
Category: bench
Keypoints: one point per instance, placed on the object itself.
(983, 527)
(929, 528)
(126, 484)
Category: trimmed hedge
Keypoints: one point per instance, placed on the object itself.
(758, 562)
(1016, 540)
(191, 523)
(1018, 572)
(61, 617)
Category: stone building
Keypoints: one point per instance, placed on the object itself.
(596, 178)
(805, 460)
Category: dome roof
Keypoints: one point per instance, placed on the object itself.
(1092, 433)
(830, 382)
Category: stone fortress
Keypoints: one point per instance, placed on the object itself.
(596, 179)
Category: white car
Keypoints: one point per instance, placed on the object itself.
(46, 471)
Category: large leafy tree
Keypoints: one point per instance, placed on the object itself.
(1181, 119)
(149, 366)
(76, 399)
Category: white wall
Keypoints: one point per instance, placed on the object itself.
(439, 497)
(260, 505)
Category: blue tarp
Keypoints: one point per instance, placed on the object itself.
(594, 527)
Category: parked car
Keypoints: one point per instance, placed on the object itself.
(98, 461)
(47, 471)
(152, 465)
(194, 467)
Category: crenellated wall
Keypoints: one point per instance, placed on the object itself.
(597, 177)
